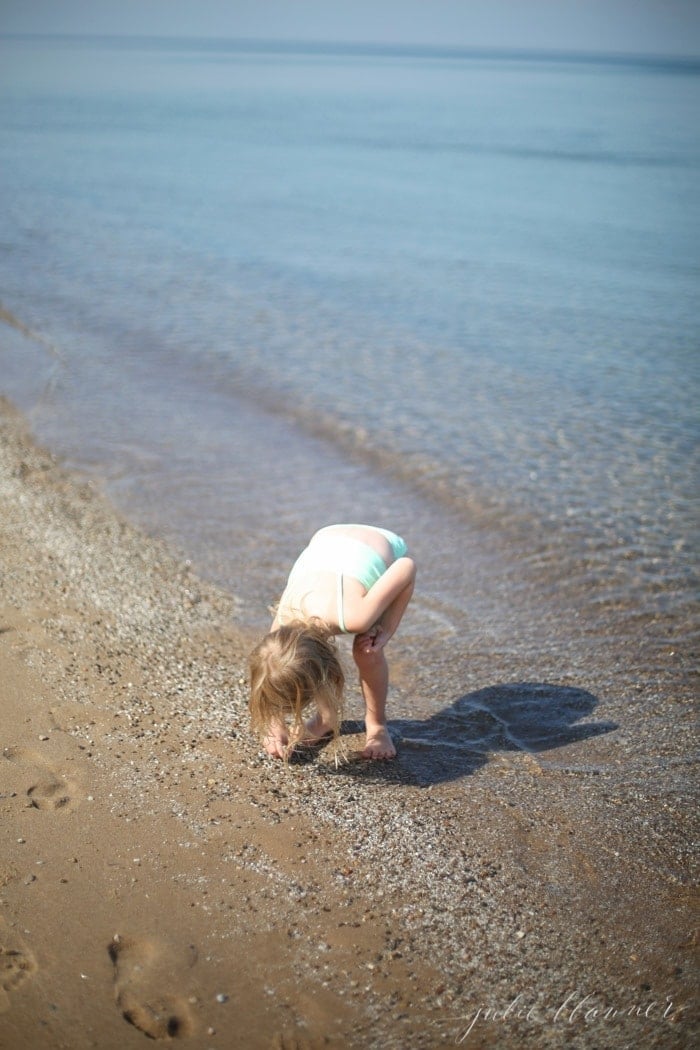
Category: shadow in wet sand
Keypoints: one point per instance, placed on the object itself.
(526, 717)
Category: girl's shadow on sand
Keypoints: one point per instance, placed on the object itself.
(528, 717)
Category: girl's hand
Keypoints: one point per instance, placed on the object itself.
(373, 640)
(276, 744)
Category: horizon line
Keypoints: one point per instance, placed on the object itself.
(385, 48)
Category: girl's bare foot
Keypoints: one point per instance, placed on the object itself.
(315, 729)
(379, 744)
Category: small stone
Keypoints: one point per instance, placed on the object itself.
(43, 737)
(221, 998)
(29, 879)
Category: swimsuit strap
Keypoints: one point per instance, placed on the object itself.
(339, 601)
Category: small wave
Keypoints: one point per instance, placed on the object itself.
(422, 741)
(8, 318)
(617, 158)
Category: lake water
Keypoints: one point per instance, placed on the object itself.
(269, 288)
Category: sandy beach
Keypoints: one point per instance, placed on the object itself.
(161, 878)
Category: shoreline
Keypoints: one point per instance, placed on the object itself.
(160, 871)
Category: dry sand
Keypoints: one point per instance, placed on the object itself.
(161, 878)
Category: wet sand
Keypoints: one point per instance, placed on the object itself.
(161, 878)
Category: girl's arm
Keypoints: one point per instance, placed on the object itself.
(390, 595)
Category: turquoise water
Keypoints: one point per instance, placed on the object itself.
(270, 286)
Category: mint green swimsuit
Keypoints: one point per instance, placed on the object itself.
(346, 556)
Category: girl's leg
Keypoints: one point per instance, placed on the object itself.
(374, 682)
(317, 727)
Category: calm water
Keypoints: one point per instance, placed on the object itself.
(457, 294)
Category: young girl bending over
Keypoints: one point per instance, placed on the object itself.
(351, 579)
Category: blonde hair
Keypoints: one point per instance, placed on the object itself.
(291, 668)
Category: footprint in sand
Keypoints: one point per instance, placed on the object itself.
(296, 1040)
(16, 965)
(52, 790)
(136, 988)
(292, 1041)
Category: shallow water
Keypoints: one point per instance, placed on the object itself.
(453, 295)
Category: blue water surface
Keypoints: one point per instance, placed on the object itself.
(479, 272)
